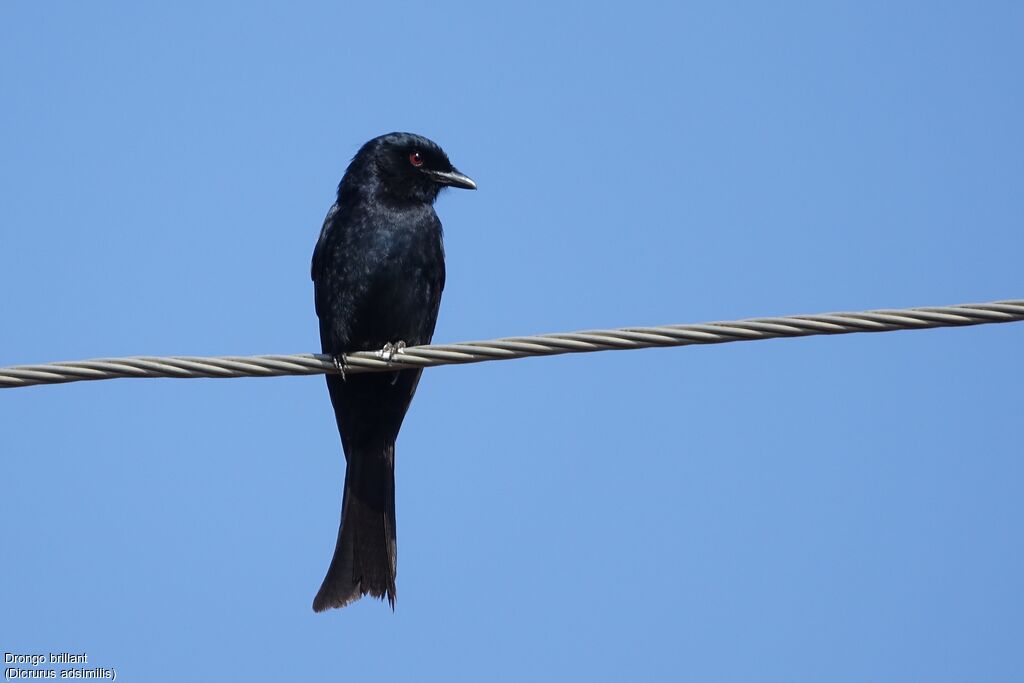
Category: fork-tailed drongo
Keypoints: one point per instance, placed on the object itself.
(378, 272)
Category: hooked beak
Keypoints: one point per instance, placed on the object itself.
(452, 177)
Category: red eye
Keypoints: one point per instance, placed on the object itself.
(416, 159)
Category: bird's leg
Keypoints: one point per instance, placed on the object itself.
(339, 364)
(389, 350)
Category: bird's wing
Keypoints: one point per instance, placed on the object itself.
(436, 289)
(314, 270)
(316, 267)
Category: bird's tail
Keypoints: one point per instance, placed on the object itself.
(365, 558)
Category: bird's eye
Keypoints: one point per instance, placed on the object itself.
(416, 159)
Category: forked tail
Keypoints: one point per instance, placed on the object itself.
(365, 557)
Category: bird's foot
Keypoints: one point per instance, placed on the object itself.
(389, 350)
(339, 364)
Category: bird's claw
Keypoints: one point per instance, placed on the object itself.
(389, 350)
(339, 364)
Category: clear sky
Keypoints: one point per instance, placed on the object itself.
(832, 508)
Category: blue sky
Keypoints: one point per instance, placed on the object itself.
(842, 508)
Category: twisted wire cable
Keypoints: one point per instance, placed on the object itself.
(750, 329)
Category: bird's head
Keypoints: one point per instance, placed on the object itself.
(404, 167)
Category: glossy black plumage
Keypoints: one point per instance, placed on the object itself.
(378, 273)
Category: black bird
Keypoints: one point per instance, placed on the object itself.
(378, 272)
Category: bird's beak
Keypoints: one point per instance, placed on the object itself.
(453, 178)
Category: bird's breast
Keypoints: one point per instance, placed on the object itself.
(404, 281)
